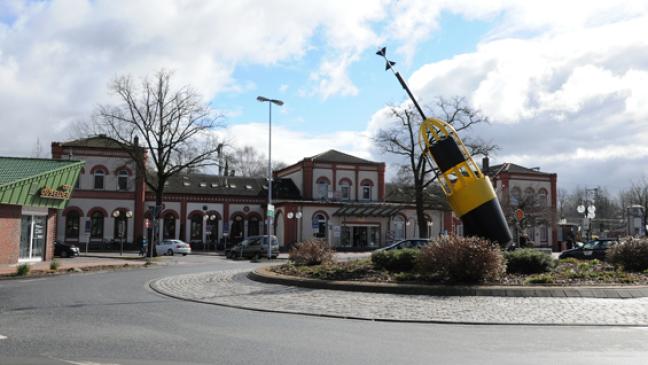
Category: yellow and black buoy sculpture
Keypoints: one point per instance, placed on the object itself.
(469, 192)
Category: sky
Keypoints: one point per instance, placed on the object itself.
(563, 83)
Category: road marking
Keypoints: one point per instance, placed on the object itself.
(3, 337)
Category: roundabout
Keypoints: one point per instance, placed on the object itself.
(234, 289)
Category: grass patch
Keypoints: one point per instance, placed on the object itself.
(22, 270)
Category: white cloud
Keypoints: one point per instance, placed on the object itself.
(561, 91)
(290, 146)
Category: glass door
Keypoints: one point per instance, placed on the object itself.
(33, 232)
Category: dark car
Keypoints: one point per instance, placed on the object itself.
(65, 250)
(409, 243)
(594, 249)
(253, 247)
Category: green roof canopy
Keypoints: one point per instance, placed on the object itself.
(37, 182)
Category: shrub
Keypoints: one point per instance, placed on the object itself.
(630, 254)
(461, 259)
(22, 270)
(540, 279)
(54, 265)
(402, 260)
(527, 261)
(311, 252)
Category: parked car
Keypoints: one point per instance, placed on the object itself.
(65, 250)
(172, 247)
(253, 247)
(408, 243)
(594, 249)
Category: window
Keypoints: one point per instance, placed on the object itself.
(196, 228)
(345, 189)
(122, 180)
(544, 233)
(542, 197)
(253, 226)
(72, 225)
(528, 196)
(77, 184)
(322, 188)
(366, 189)
(96, 225)
(319, 225)
(516, 196)
(120, 227)
(169, 227)
(398, 227)
(99, 180)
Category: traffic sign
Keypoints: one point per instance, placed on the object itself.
(519, 214)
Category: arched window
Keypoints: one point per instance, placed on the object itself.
(236, 230)
(322, 187)
(196, 228)
(516, 196)
(120, 227)
(169, 226)
(97, 225)
(319, 225)
(542, 197)
(345, 189)
(398, 227)
(366, 186)
(99, 179)
(253, 225)
(122, 180)
(529, 195)
(72, 225)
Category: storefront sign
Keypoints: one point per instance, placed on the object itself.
(63, 193)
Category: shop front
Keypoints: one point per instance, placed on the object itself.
(31, 191)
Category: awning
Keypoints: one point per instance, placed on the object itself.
(368, 210)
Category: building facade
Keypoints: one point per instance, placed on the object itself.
(332, 196)
(31, 193)
(528, 198)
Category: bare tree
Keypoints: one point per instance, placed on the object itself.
(402, 139)
(249, 162)
(174, 126)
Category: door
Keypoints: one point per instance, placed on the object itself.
(33, 232)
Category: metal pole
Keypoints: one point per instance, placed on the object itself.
(269, 222)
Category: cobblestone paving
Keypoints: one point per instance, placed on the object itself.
(232, 288)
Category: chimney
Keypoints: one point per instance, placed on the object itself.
(136, 141)
(485, 164)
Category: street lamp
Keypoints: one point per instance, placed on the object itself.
(270, 210)
(116, 214)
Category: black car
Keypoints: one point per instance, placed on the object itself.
(594, 249)
(253, 247)
(65, 250)
(408, 243)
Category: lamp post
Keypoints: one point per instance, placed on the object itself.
(297, 216)
(270, 210)
(116, 214)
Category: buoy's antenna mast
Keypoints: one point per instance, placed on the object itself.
(389, 65)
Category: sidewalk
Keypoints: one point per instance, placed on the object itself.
(82, 263)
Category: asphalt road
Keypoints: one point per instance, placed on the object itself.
(114, 318)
